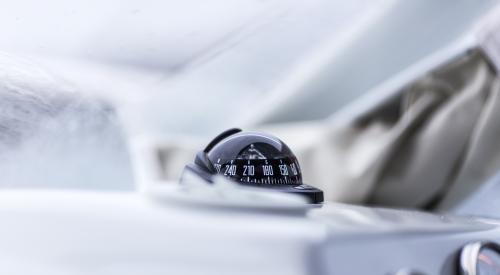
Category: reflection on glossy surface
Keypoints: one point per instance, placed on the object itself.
(480, 258)
(376, 220)
(488, 262)
(408, 272)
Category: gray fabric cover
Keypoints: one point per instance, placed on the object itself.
(443, 143)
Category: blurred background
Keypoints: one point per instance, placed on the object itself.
(81, 80)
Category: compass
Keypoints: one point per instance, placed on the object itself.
(254, 159)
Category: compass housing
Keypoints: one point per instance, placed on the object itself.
(254, 159)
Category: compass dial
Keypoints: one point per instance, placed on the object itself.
(256, 159)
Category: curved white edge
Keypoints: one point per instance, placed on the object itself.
(488, 36)
(393, 86)
(485, 35)
(469, 256)
(312, 63)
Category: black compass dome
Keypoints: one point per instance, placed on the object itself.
(255, 158)
(250, 145)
